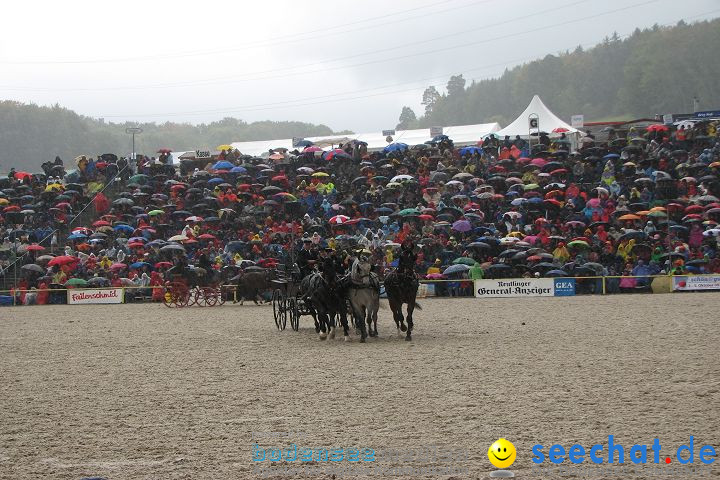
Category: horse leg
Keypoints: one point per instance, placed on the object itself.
(323, 324)
(369, 320)
(344, 322)
(410, 309)
(332, 325)
(361, 322)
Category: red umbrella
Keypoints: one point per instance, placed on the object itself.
(164, 150)
(207, 236)
(561, 130)
(11, 208)
(101, 223)
(163, 265)
(136, 244)
(63, 260)
(657, 127)
(117, 266)
(34, 248)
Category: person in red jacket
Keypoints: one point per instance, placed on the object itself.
(102, 205)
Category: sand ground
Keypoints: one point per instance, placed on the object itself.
(143, 391)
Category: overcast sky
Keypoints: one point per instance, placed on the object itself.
(347, 64)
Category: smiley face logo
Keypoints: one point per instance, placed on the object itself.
(502, 453)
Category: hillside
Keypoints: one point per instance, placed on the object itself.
(654, 71)
(31, 134)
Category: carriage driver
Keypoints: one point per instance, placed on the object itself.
(406, 262)
(306, 257)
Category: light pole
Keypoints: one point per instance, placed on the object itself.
(133, 131)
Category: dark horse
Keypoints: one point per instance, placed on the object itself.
(401, 288)
(323, 300)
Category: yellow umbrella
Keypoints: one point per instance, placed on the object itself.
(320, 174)
(53, 187)
(4, 201)
(224, 147)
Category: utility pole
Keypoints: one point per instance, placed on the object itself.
(133, 131)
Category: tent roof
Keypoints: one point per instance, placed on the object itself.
(548, 121)
(461, 135)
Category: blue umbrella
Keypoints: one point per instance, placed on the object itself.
(611, 155)
(216, 181)
(304, 143)
(395, 147)
(223, 165)
(139, 265)
(238, 170)
(470, 150)
(123, 228)
(535, 200)
(518, 201)
(76, 236)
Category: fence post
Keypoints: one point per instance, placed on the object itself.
(604, 287)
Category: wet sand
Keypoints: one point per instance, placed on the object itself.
(143, 391)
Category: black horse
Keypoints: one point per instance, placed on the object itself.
(401, 288)
(323, 300)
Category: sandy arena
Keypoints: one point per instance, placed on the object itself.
(143, 391)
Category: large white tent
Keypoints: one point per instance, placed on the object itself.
(547, 121)
(461, 135)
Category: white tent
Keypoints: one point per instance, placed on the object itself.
(547, 121)
(460, 135)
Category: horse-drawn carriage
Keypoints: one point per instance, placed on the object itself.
(185, 290)
(286, 301)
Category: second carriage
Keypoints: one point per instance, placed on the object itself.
(286, 300)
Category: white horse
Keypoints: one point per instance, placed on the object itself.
(364, 296)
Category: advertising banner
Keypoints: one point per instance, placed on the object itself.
(91, 295)
(515, 287)
(697, 282)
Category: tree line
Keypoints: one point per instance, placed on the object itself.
(32, 134)
(657, 70)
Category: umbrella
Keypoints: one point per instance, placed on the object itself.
(395, 147)
(458, 268)
(31, 267)
(34, 248)
(461, 226)
(137, 265)
(76, 282)
(464, 261)
(578, 244)
(118, 266)
(63, 260)
(223, 165)
(556, 273)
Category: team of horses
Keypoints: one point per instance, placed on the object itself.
(356, 294)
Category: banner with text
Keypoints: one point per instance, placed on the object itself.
(90, 296)
(515, 287)
(697, 282)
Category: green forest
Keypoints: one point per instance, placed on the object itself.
(653, 71)
(32, 134)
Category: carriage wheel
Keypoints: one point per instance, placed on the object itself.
(294, 313)
(210, 296)
(181, 294)
(276, 303)
(221, 295)
(284, 303)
